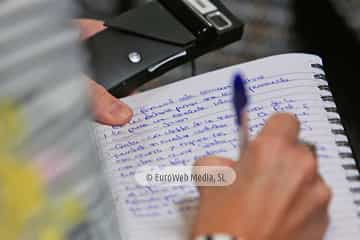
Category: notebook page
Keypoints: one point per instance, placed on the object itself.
(177, 124)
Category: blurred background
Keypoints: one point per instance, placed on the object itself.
(328, 28)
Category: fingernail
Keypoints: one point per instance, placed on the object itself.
(119, 112)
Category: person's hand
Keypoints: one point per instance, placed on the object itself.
(278, 193)
(106, 108)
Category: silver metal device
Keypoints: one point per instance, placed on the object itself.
(210, 13)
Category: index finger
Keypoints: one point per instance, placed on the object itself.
(282, 125)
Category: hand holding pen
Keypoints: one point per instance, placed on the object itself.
(278, 192)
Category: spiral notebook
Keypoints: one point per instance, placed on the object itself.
(176, 124)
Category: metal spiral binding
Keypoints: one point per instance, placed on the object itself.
(338, 130)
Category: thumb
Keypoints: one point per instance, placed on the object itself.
(108, 109)
(212, 162)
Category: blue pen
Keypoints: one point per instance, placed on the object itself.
(240, 101)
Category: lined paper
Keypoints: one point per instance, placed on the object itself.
(177, 124)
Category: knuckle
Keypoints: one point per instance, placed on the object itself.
(278, 143)
(265, 144)
(308, 163)
(309, 167)
(284, 119)
(257, 145)
(324, 195)
(267, 150)
(259, 148)
(256, 150)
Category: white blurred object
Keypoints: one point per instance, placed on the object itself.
(52, 184)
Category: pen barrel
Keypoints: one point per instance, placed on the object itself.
(244, 132)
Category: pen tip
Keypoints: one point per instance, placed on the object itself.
(240, 91)
(239, 83)
(240, 96)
